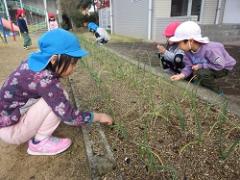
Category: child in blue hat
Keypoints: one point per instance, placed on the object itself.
(101, 34)
(33, 102)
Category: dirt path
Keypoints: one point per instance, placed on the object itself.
(14, 161)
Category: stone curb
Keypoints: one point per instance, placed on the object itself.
(99, 165)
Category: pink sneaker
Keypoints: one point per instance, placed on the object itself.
(49, 146)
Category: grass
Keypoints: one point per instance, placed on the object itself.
(196, 118)
(159, 105)
(181, 116)
(121, 130)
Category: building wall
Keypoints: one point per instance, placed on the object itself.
(161, 8)
(209, 9)
(130, 18)
(159, 24)
(232, 12)
(104, 18)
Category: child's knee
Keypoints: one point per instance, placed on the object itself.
(203, 73)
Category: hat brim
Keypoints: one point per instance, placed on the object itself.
(175, 39)
(78, 53)
(201, 40)
(37, 61)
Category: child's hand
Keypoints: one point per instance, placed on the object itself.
(161, 49)
(102, 118)
(196, 67)
(177, 77)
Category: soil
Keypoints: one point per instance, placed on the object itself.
(159, 131)
(15, 163)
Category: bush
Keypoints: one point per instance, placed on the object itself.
(80, 20)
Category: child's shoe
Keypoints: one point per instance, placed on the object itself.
(49, 146)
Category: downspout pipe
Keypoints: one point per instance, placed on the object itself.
(111, 16)
(217, 18)
(149, 19)
(189, 9)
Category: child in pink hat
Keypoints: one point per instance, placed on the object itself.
(171, 56)
(53, 24)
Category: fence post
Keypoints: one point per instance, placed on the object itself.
(3, 30)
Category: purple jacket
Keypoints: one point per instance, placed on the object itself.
(212, 55)
(24, 84)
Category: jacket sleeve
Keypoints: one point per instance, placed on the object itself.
(52, 92)
(216, 61)
(169, 56)
(187, 70)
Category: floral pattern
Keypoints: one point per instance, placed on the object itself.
(8, 95)
(14, 81)
(24, 84)
(60, 109)
(32, 86)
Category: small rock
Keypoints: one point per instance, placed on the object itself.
(127, 160)
(226, 167)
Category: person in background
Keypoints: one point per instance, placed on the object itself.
(207, 60)
(66, 23)
(53, 24)
(23, 28)
(170, 55)
(101, 34)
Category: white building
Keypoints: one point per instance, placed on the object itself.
(146, 19)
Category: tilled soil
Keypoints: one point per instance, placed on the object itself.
(160, 132)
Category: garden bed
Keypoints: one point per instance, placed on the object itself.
(159, 131)
(146, 52)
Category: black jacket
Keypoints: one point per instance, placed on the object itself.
(22, 25)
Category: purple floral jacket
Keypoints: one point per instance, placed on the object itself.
(24, 84)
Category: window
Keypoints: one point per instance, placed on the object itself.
(179, 7)
(196, 8)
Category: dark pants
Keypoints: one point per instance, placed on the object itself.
(174, 66)
(26, 40)
(206, 78)
(103, 41)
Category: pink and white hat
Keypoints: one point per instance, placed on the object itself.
(188, 30)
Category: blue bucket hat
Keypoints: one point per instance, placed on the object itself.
(92, 26)
(55, 42)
